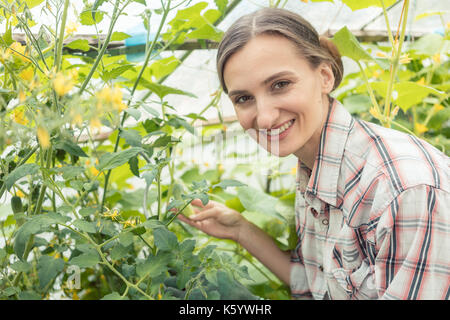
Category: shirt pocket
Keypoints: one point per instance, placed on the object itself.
(358, 283)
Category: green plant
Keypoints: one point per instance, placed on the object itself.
(69, 203)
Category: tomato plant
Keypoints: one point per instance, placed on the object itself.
(90, 178)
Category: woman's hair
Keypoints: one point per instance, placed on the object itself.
(314, 48)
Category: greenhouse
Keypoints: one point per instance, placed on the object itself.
(146, 154)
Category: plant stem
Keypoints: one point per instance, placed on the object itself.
(124, 116)
(395, 64)
(59, 46)
(114, 18)
(369, 88)
(391, 38)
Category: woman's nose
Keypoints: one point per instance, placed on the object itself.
(267, 114)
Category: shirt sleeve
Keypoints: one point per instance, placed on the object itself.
(413, 247)
(298, 281)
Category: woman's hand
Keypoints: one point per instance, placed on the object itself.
(215, 219)
(219, 221)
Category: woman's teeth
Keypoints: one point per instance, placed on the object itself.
(280, 130)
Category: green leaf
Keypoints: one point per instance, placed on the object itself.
(258, 201)
(20, 172)
(33, 3)
(86, 260)
(134, 166)
(115, 72)
(70, 147)
(70, 172)
(225, 183)
(356, 104)
(154, 266)
(428, 45)
(411, 93)
(87, 19)
(85, 226)
(161, 91)
(362, 4)
(407, 93)
(150, 175)
(112, 160)
(208, 32)
(48, 268)
(165, 240)
(114, 296)
(21, 266)
(79, 44)
(163, 67)
(29, 228)
(221, 4)
(119, 251)
(349, 46)
(119, 36)
(136, 114)
(132, 137)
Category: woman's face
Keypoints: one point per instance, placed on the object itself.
(279, 99)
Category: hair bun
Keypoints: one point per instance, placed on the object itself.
(338, 67)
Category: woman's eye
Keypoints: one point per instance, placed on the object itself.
(280, 84)
(242, 99)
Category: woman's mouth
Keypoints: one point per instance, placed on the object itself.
(278, 133)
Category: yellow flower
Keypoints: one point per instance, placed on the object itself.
(71, 27)
(95, 124)
(22, 96)
(62, 84)
(77, 120)
(112, 97)
(44, 137)
(374, 112)
(20, 194)
(395, 111)
(404, 59)
(4, 55)
(19, 116)
(26, 74)
(438, 107)
(112, 215)
(437, 58)
(305, 1)
(94, 171)
(420, 128)
(421, 81)
(381, 54)
(18, 50)
(129, 223)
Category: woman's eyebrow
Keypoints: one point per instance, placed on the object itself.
(264, 82)
(277, 75)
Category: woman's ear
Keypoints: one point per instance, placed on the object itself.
(327, 77)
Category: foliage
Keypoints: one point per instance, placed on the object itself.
(71, 204)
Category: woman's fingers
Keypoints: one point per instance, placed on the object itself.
(197, 202)
(205, 214)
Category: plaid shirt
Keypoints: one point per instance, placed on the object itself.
(372, 217)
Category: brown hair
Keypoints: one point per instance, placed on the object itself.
(314, 48)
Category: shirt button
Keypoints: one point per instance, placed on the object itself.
(314, 212)
(321, 268)
(325, 222)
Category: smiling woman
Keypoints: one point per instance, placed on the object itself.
(366, 221)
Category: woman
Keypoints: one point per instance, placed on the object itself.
(372, 204)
